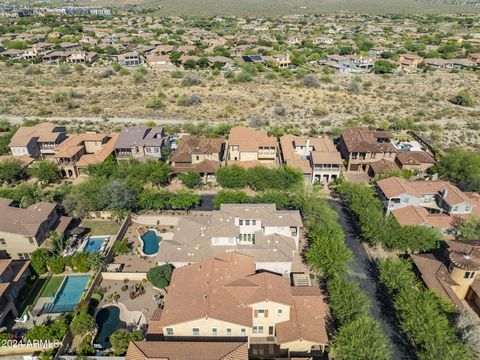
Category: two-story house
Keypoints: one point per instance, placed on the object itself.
(271, 236)
(80, 150)
(13, 276)
(225, 297)
(361, 147)
(437, 204)
(23, 231)
(248, 147)
(198, 154)
(140, 142)
(453, 273)
(37, 141)
(131, 58)
(318, 158)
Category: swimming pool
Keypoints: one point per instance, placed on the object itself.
(151, 242)
(69, 294)
(108, 321)
(95, 244)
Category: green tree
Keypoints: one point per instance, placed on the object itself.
(121, 247)
(82, 323)
(184, 199)
(461, 166)
(191, 179)
(383, 67)
(347, 301)
(86, 347)
(121, 338)
(44, 170)
(38, 260)
(160, 276)
(470, 228)
(56, 264)
(362, 338)
(80, 262)
(11, 170)
(463, 98)
(230, 197)
(233, 177)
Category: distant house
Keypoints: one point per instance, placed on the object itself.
(82, 57)
(55, 56)
(420, 161)
(318, 158)
(22, 231)
(131, 58)
(475, 58)
(140, 142)
(360, 147)
(409, 61)
(248, 147)
(222, 60)
(13, 276)
(282, 60)
(160, 62)
(37, 141)
(199, 154)
(438, 204)
(80, 150)
(225, 297)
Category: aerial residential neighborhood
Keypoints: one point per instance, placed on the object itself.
(251, 180)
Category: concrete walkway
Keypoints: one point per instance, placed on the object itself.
(363, 271)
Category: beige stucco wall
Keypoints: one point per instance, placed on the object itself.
(272, 318)
(248, 156)
(458, 275)
(16, 243)
(298, 345)
(205, 326)
(120, 276)
(93, 146)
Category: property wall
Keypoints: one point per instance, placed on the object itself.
(227, 240)
(248, 156)
(120, 276)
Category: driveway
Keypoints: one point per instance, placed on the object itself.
(363, 272)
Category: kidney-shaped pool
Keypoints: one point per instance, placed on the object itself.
(108, 321)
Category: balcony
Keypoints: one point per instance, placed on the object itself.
(262, 340)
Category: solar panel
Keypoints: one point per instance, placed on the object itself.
(256, 58)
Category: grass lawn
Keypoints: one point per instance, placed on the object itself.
(102, 227)
(52, 286)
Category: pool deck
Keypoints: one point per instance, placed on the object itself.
(135, 311)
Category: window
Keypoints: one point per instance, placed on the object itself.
(30, 240)
(169, 331)
(229, 331)
(254, 222)
(279, 312)
(3, 242)
(247, 222)
(240, 222)
(257, 330)
(197, 157)
(468, 208)
(214, 332)
(469, 274)
(196, 331)
(472, 275)
(261, 313)
(243, 332)
(23, 256)
(455, 208)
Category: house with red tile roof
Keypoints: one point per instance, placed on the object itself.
(225, 297)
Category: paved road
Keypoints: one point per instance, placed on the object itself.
(363, 272)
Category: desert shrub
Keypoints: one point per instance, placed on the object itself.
(160, 276)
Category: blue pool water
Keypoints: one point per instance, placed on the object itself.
(94, 244)
(108, 321)
(151, 242)
(69, 294)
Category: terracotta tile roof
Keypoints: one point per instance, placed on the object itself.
(205, 167)
(198, 291)
(395, 186)
(383, 165)
(307, 320)
(24, 159)
(364, 140)
(25, 222)
(415, 158)
(176, 350)
(435, 275)
(417, 215)
(250, 140)
(196, 145)
(43, 132)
